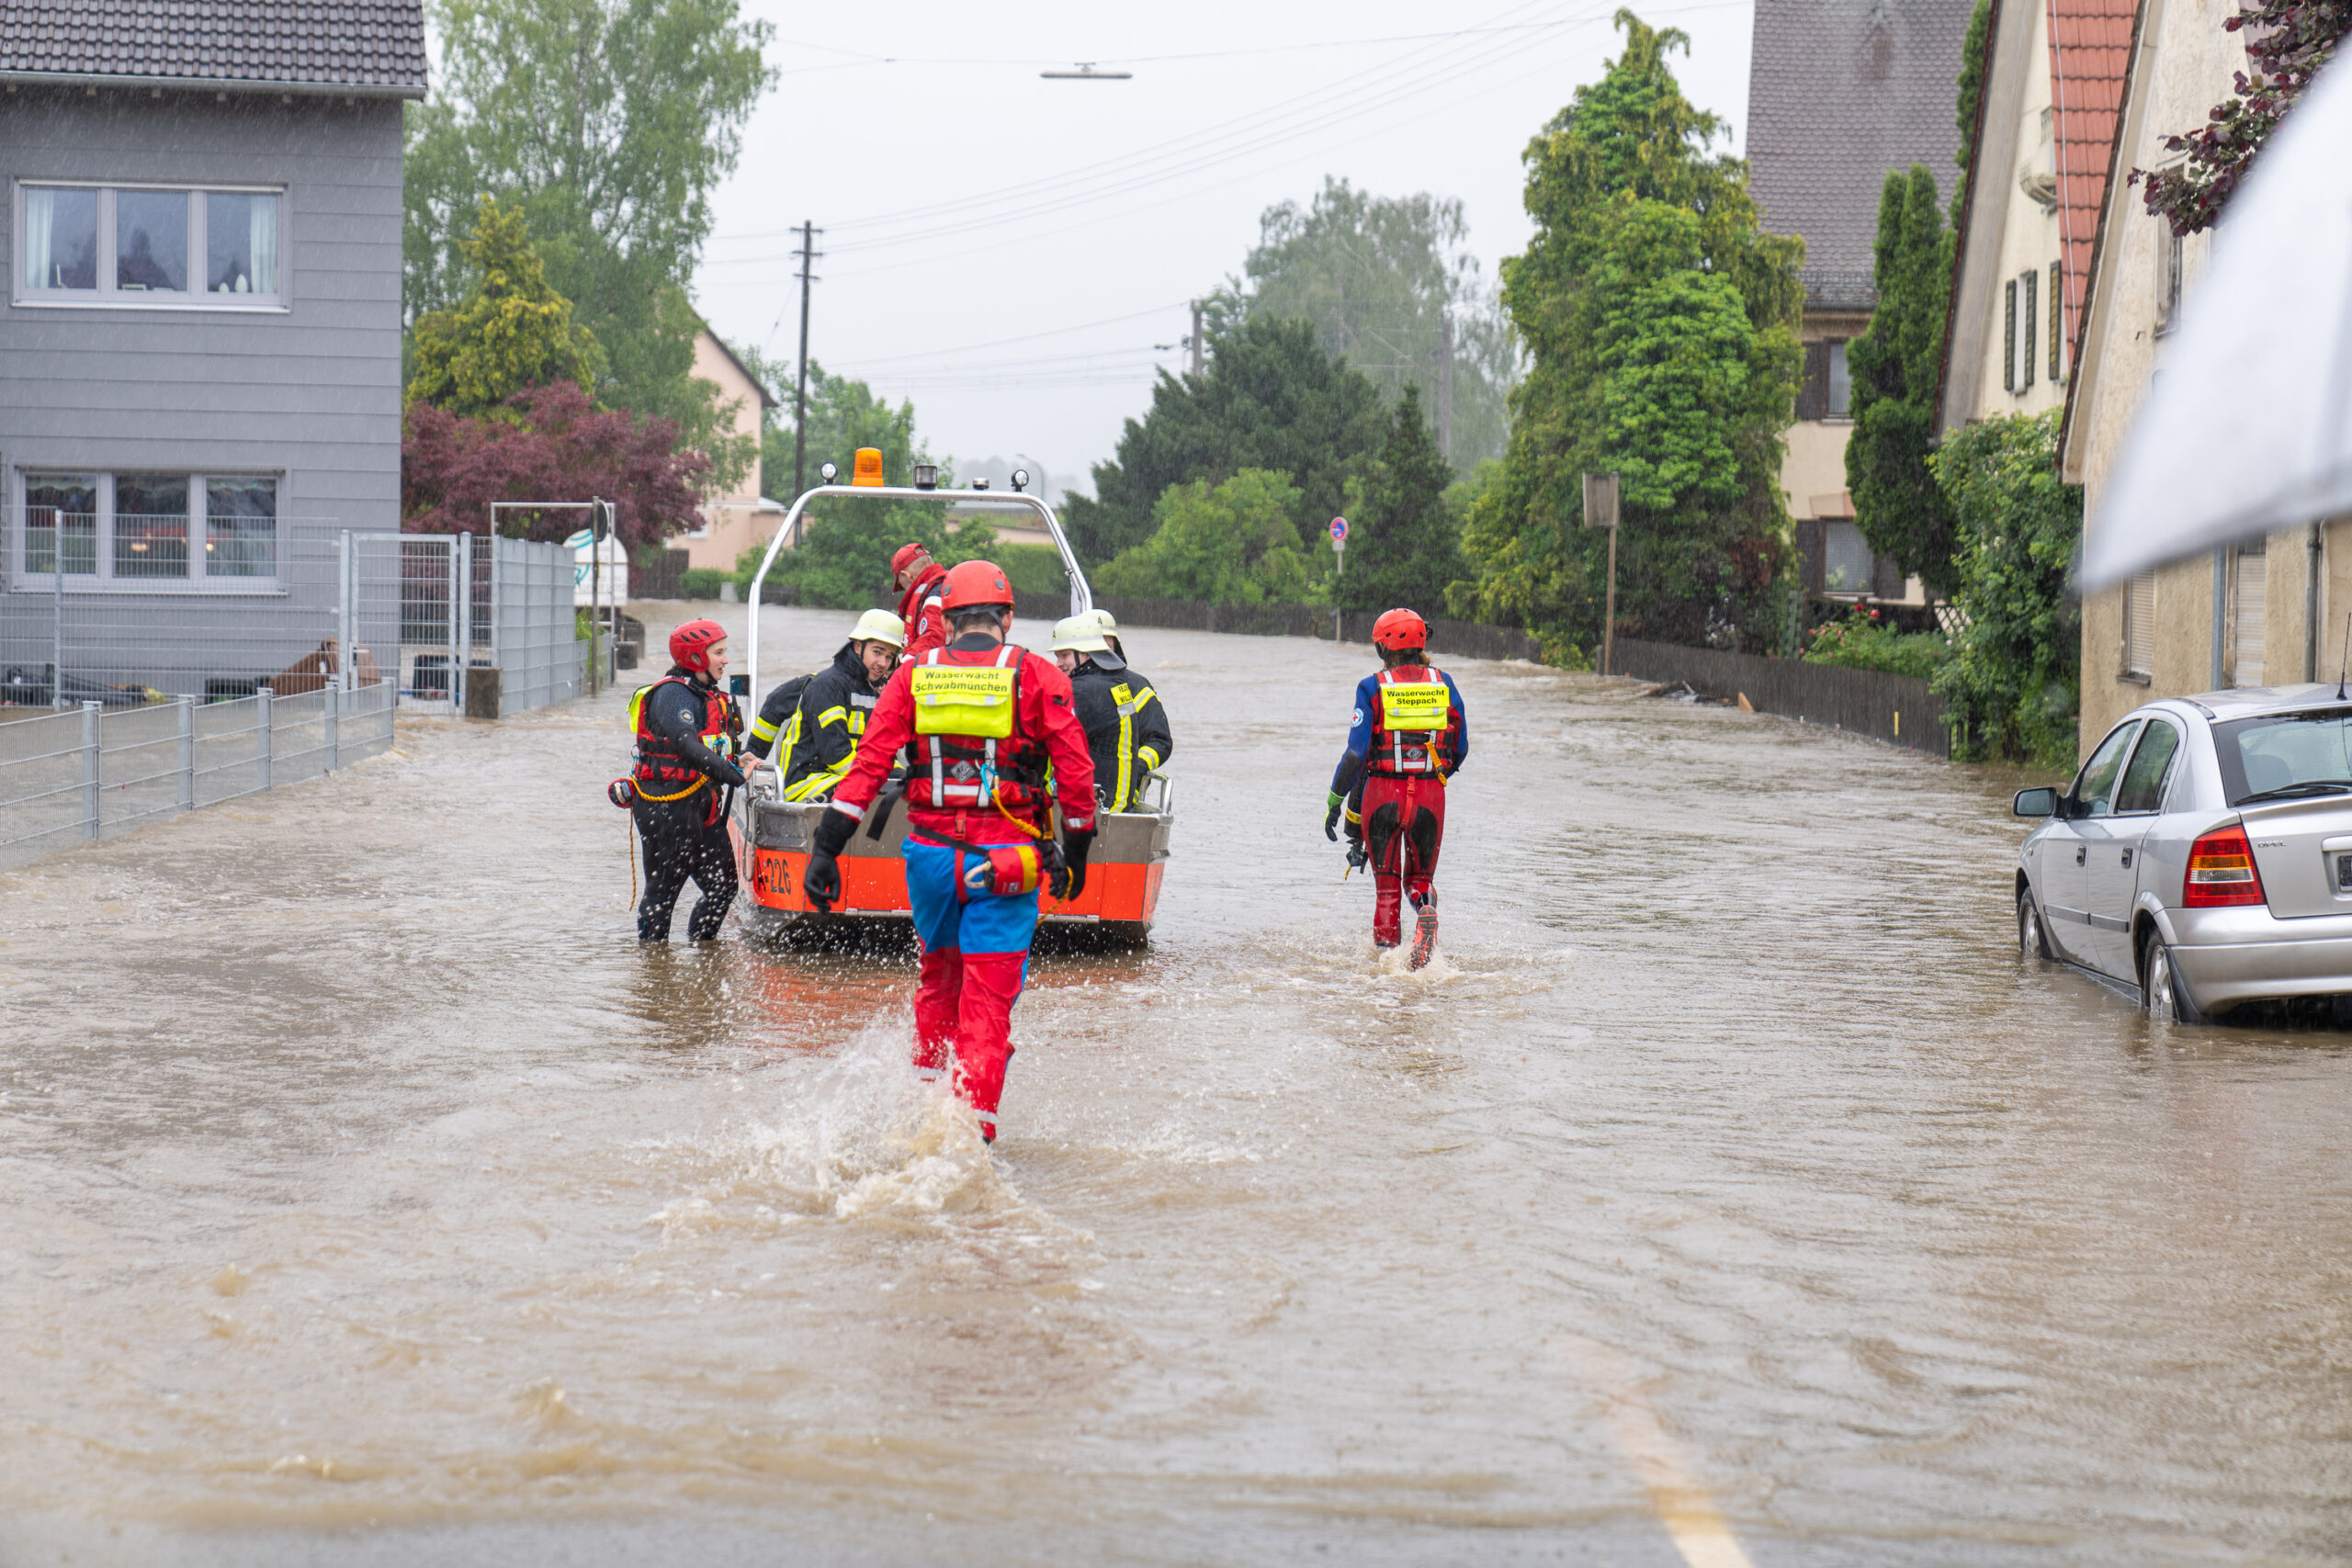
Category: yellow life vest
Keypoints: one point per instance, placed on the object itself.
(1416, 708)
(975, 700)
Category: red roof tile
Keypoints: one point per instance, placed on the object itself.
(2090, 46)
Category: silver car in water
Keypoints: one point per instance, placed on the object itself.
(2202, 857)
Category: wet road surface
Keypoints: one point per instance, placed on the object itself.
(1727, 1193)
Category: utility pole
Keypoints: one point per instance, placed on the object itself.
(1445, 386)
(1195, 339)
(808, 254)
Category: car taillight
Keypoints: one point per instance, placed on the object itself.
(2222, 870)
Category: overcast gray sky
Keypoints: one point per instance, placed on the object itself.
(965, 201)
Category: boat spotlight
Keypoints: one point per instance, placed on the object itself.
(926, 475)
(979, 484)
(826, 471)
(1020, 480)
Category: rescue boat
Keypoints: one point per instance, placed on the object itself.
(772, 837)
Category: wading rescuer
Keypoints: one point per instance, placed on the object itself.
(980, 720)
(816, 721)
(1408, 735)
(921, 581)
(676, 791)
(1125, 722)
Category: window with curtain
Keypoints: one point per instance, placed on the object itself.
(241, 242)
(61, 239)
(143, 245)
(1841, 382)
(241, 527)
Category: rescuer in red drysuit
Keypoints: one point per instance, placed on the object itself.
(1408, 735)
(980, 720)
(921, 581)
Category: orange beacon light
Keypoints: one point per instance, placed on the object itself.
(868, 470)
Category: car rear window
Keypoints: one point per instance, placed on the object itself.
(2258, 755)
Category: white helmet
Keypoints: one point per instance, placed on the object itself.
(1104, 622)
(880, 626)
(1078, 634)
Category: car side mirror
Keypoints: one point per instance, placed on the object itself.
(2035, 803)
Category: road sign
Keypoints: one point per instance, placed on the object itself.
(1339, 533)
(1600, 501)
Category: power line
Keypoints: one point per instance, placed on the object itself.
(1176, 147)
(1024, 337)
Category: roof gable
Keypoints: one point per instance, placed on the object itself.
(372, 47)
(2090, 51)
(1840, 94)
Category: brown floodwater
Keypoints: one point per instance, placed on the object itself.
(1727, 1193)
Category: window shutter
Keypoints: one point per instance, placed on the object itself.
(2026, 338)
(1812, 398)
(2057, 324)
(2139, 625)
(2009, 338)
(2246, 652)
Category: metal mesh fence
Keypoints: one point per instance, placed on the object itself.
(93, 771)
(129, 690)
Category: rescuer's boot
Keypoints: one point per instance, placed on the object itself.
(1424, 931)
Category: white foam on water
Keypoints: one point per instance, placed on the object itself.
(862, 1138)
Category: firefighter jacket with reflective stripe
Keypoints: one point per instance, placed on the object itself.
(979, 732)
(822, 738)
(677, 722)
(1126, 727)
(922, 609)
(776, 714)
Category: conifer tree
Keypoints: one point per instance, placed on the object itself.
(1404, 545)
(1897, 503)
(513, 332)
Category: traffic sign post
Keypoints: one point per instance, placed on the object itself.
(1601, 512)
(1339, 554)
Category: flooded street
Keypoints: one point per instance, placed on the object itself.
(1727, 1192)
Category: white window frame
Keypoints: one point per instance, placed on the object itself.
(198, 579)
(107, 295)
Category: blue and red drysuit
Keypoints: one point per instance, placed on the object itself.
(1393, 784)
(963, 799)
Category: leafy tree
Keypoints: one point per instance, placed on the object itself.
(2014, 681)
(843, 560)
(609, 123)
(1270, 398)
(1232, 543)
(1895, 364)
(1386, 283)
(1972, 92)
(2287, 42)
(844, 415)
(1404, 545)
(547, 442)
(1661, 319)
(511, 333)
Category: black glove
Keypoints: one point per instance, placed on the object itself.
(1332, 818)
(823, 881)
(1357, 856)
(1070, 877)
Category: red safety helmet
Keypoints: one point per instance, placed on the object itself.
(1400, 629)
(974, 584)
(690, 643)
(907, 555)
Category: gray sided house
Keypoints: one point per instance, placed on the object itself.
(200, 345)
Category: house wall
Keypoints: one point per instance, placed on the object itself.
(2029, 234)
(311, 392)
(2186, 64)
(734, 522)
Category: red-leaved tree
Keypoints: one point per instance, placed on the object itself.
(2287, 43)
(555, 445)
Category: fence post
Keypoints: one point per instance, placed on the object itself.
(57, 627)
(187, 753)
(90, 712)
(331, 719)
(344, 656)
(264, 699)
(461, 620)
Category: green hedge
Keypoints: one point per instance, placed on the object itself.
(701, 582)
